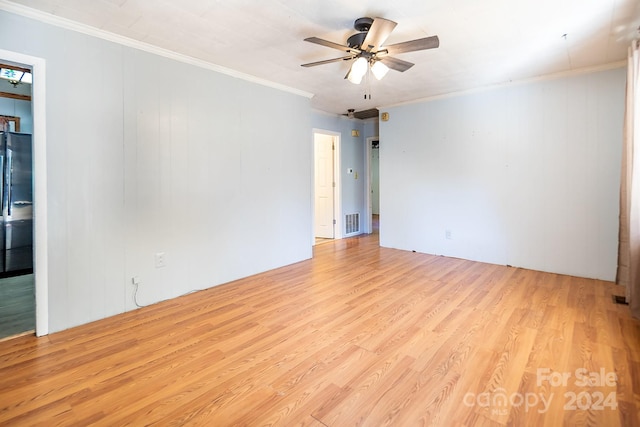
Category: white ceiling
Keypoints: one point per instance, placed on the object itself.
(482, 42)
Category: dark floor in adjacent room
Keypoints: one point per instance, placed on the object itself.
(17, 305)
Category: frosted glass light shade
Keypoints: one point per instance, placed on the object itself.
(355, 79)
(358, 70)
(379, 70)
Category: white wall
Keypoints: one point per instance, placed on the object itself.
(525, 175)
(211, 170)
(18, 108)
(371, 128)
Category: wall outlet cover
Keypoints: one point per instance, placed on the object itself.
(160, 260)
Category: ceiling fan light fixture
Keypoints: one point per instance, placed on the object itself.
(358, 70)
(354, 78)
(366, 50)
(379, 70)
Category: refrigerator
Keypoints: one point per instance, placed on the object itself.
(16, 186)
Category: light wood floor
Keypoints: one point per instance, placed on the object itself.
(357, 336)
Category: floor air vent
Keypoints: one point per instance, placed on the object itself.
(620, 299)
(352, 223)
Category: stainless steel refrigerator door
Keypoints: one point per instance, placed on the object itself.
(2, 194)
(18, 206)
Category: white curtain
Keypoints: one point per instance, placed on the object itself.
(629, 236)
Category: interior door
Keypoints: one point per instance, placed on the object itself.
(324, 185)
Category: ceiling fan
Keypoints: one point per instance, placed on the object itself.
(366, 47)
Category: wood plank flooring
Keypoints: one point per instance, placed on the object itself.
(359, 335)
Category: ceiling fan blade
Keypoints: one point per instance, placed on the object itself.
(327, 61)
(396, 64)
(333, 45)
(377, 34)
(413, 45)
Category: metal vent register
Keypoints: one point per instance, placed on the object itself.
(352, 223)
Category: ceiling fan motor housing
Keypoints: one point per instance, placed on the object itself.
(363, 24)
(355, 41)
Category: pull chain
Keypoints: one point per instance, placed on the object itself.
(367, 84)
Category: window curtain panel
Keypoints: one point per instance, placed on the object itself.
(628, 274)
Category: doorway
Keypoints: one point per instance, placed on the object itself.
(39, 317)
(326, 199)
(373, 184)
(17, 290)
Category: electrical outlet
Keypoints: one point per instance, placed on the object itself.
(161, 260)
(135, 280)
(447, 235)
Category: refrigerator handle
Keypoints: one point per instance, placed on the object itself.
(9, 178)
(1, 185)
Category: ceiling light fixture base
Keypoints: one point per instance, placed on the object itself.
(363, 24)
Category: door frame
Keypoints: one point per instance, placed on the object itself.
(40, 228)
(337, 204)
(368, 208)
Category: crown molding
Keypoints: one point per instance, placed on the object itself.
(68, 24)
(546, 77)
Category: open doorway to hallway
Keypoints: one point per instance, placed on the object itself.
(373, 184)
(326, 198)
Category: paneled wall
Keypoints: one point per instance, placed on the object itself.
(146, 156)
(525, 175)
